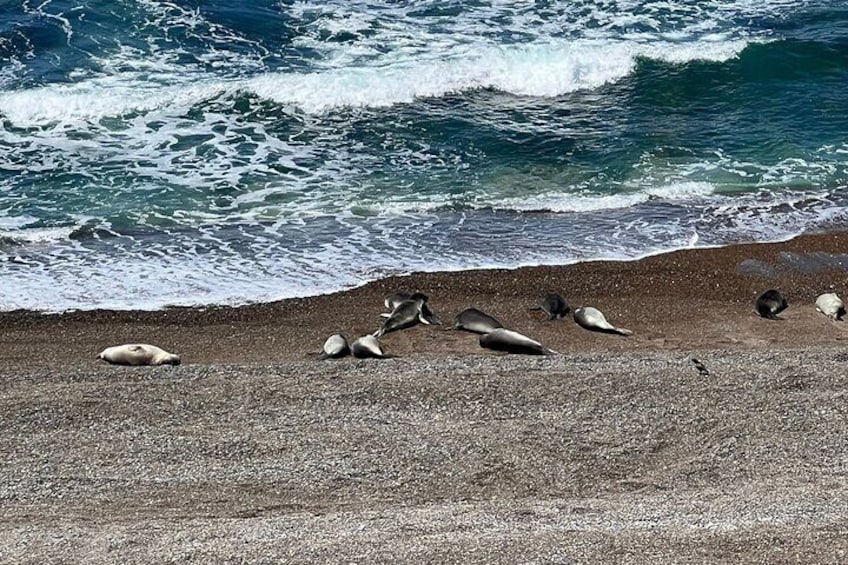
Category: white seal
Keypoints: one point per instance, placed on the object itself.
(138, 354)
(830, 305)
(335, 347)
(593, 319)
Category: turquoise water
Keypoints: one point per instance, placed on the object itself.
(156, 153)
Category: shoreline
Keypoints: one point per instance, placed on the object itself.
(615, 450)
(689, 299)
(400, 277)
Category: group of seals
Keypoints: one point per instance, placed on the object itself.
(407, 310)
(771, 303)
(411, 309)
(364, 347)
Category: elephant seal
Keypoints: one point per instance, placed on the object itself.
(831, 306)
(771, 303)
(593, 319)
(366, 347)
(335, 347)
(138, 354)
(473, 320)
(407, 314)
(394, 301)
(502, 339)
(554, 306)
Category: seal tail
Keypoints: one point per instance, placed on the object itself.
(622, 331)
(535, 308)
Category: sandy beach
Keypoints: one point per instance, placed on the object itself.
(615, 451)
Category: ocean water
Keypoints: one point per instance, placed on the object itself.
(157, 153)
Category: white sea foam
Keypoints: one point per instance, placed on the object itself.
(542, 70)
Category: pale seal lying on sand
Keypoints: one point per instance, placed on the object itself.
(367, 346)
(554, 306)
(502, 339)
(830, 305)
(138, 354)
(474, 320)
(593, 319)
(770, 303)
(335, 346)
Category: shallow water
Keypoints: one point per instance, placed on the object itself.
(156, 153)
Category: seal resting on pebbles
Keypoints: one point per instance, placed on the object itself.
(138, 354)
(554, 305)
(335, 347)
(594, 320)
(502, 339)
(831, 306)
(771, 303)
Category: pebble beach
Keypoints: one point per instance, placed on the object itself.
(617, 450)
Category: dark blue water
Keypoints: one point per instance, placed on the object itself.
(156, 153)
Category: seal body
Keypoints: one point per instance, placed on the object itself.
(138, 354)
(830, 305)
(335, 347)
(594, 320)
(394, 301)
(555, 306)
(366, 347)
(474, 320)
(407, 314)
(502, 339)
(771, 303)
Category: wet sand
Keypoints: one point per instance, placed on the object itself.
(618, 450)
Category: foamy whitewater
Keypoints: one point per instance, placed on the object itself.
(160, 153)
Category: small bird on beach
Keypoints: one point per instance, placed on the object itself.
(771, 303)
(702, 370)
(554, 305)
